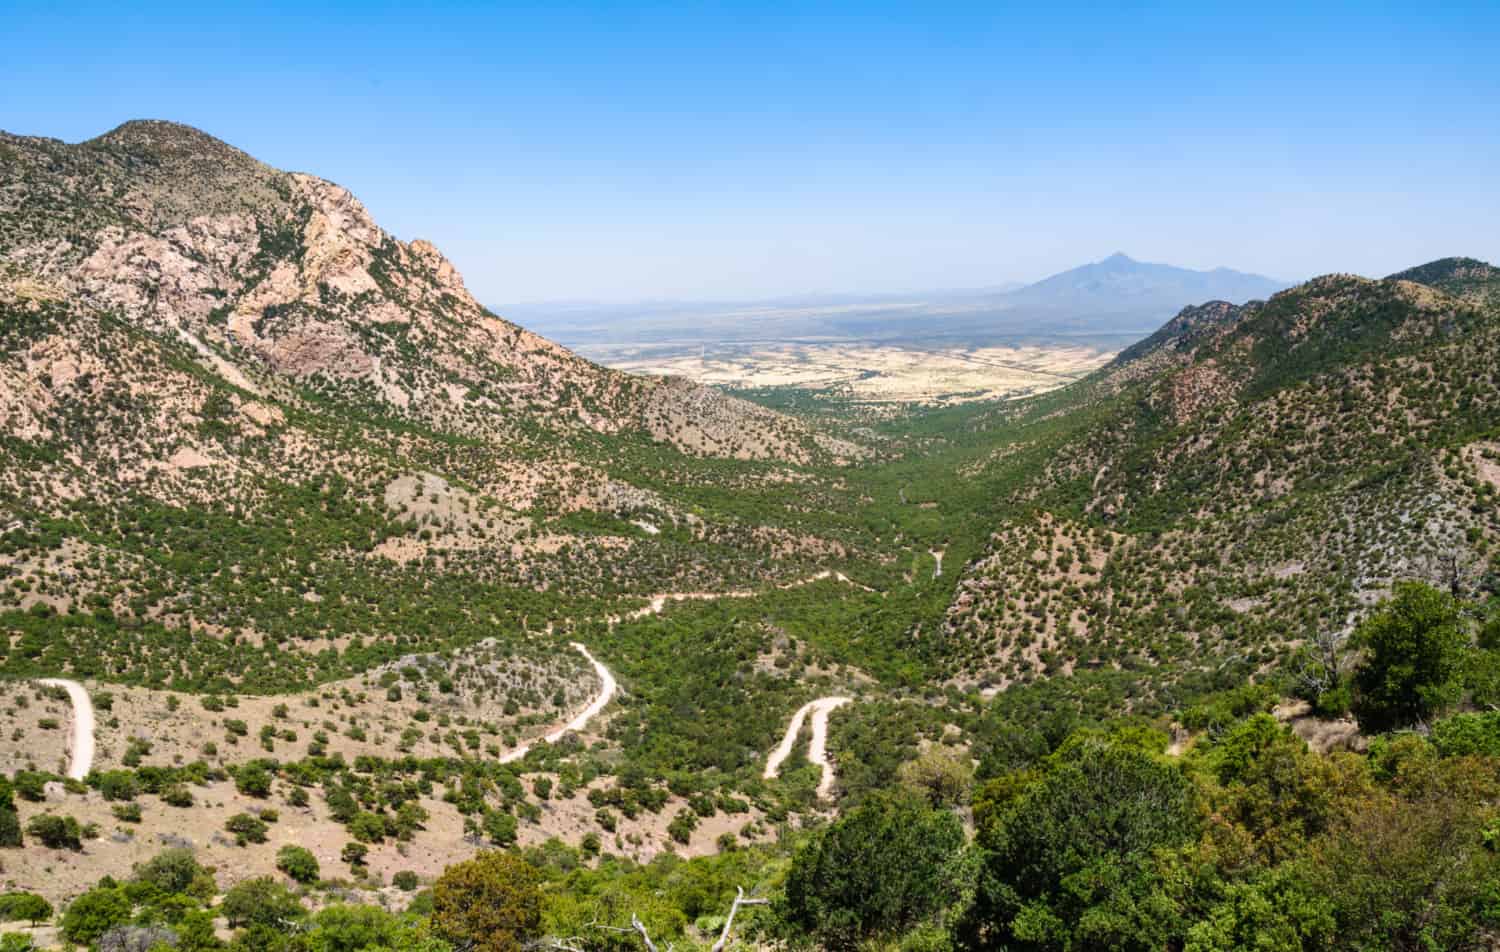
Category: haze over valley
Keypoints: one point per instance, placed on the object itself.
(940, 346)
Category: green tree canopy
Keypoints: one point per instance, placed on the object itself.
(1068, 859)
(880, 868)
(1414, 651)
(490, 903)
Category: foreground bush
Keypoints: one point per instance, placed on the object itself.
(491, 903)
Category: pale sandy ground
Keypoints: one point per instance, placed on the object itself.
(875, 374)
(61, 875)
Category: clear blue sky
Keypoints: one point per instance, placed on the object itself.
(616, 151)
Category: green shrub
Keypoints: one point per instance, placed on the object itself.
(176, 871)
(260, 902)
(405, 880)
(57, 832)
(298, 862)
(878, 870)
(126, 812)
(246, 828)
(253, 779)
(177, 795)
(94, 913)
(1467, 734)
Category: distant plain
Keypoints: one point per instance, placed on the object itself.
(868, 373)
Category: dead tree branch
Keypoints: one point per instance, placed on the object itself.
(641, 928)
(739, 900)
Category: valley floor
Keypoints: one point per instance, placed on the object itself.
(868, 373)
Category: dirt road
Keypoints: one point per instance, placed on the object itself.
(607, 688)
(81, 744)
(817, 749)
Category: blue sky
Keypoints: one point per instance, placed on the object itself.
(621, 151)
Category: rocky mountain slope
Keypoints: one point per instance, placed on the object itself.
(1250, 477)
(280, 286)
(231, 403)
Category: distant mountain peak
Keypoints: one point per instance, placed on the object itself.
(1125, 295)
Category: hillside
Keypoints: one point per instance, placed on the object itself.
(204, 361)
(1249, 477)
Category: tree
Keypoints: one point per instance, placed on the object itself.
(25, 907)
(94, 913)
(879, 869)
(941, 774)
(176, 871)
(500, 827)
(137, 939)
(367, 827)
(10, 820)
(298, 862)
(1320, 670)
(356, 927)
(1272, 796)
(491, 903)
(1068, 857)
(354, 853)
(1410, 867)
(1414, 652)
(260, 901)
(1277, 912)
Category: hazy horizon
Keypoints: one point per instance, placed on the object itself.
(729, 153)
(852, 294)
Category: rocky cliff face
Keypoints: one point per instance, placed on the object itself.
(156, 262)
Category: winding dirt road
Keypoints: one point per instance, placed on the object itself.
(81, 744)
(607, 687)
(817, 749)
(659, 601)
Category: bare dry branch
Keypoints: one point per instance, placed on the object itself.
(641, 928)
(739, 900)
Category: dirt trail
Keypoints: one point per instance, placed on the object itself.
(817, 749)
(82, 742)
(660, 600)
(937, 568)
(607, 687)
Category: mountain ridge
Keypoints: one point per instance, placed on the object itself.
(286, 273)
